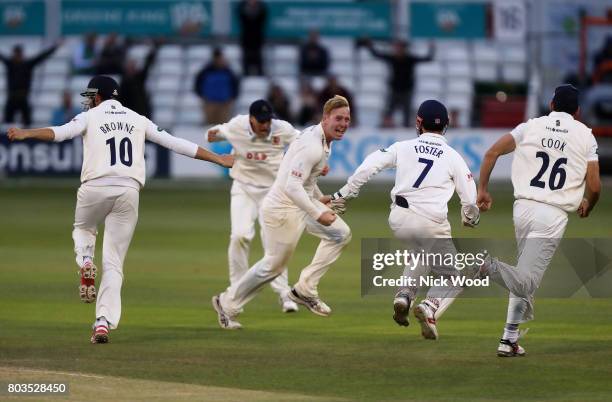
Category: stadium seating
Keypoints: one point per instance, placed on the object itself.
(450, 77)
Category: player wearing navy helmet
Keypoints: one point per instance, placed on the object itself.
(428, 172)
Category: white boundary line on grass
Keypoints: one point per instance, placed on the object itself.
(51, 372)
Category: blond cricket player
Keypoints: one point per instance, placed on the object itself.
(555, 170)
(112, 175)
(428, 172)
(258, 143)
(295, 203)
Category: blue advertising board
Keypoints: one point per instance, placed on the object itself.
(448, 20)
(22, 17)
(294, 19)
(64, 159)
(135, 17)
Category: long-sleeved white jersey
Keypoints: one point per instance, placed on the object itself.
(428, 172)
(550, 160)
(114, 141)
(296, 182)
(257, 160)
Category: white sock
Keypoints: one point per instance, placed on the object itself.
(101, 321)
(511, 332)
(81, 260)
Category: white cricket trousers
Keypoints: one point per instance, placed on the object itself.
(117, 207)
(282, 230)
(245, 204)
(539, 228)
(420, 232)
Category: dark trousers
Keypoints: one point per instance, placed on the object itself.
(18, 104)
(252, 62)
(401, 100)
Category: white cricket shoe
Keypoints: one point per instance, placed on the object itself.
(224, 319)
(99, 334)
(509, 349)
(427, 319)
(401, 308)
(314, 304)
(288, 305)
(87, 288)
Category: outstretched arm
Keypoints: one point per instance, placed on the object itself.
(376, 53)
(73, 128)
(19, 134)
(430, 55)
(221, 160)
(43, 55)
(184, 147)
(373, 163)
(504, 145)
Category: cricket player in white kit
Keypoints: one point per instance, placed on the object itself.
(112, 175)
(295, 203)
(258, 143)
(428, 172)
(555, 159)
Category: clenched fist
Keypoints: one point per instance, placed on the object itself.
(17, 134)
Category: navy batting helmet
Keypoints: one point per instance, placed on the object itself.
(432, 115)
(565, 99)
(102, 85)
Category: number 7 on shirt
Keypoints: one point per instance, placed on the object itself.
(428, 164)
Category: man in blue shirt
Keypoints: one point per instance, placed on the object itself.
(217, 86)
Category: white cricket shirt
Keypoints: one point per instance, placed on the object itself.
(428, 172)
(114, 141)
(296, 182)
(550, 160)
(256, 159)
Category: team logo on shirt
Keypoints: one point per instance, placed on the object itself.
(470, 176)
(295, 173)
(275, 140)
(258, 156)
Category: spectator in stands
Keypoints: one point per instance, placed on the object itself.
(133, 92)
(253, 15)
(111, 56)
(401, 80)
(332, 88)
(18, 82)
(314, 58)
(85, 55)
(309, 106)
(66, 112)
(602, 71)
(280, 102)
(217, 86)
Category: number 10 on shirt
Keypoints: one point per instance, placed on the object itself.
(125, 151)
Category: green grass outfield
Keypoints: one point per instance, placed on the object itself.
(169, 336)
